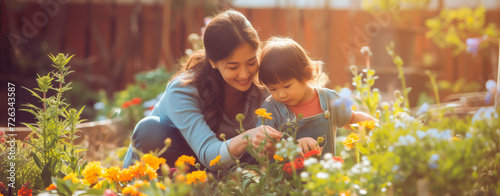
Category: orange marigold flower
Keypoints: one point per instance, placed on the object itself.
(153, 161)
(72, 177)
(351, 138)
(215, 161)
(195, 177)
(111, 174)
(262, 113)
(185, 159)
(277, 157)
(370, 124)
(125, 175)
(51, 187)
(24, 192)
(92, 171)
(151, 173)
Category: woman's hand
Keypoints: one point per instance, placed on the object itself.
(256, 136)
(307, 144)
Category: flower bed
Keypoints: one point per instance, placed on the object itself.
(429, 152)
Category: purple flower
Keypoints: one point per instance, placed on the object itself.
(423, 109)
(345, 98)
(492, 88)
(473, 44)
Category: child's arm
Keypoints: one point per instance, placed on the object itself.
(358, 117)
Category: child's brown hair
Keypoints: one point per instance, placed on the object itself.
(282, 59)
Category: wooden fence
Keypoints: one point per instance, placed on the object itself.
(114, 41)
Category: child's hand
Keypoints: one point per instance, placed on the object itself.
(307, 144)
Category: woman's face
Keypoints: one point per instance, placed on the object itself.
(239, 69)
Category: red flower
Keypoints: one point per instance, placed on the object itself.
(338, 159)
(132, 102)
(288, 168)
(311, 153)
(24, 192)
(109, 192)
(2, 187)
(136, 101)
(299, 163)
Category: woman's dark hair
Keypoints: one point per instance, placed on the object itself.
(223, 35)
(283, 59)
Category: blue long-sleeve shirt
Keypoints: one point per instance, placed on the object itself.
(182, 103)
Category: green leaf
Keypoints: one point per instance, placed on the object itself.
(36, 159)
(93, 192)
(363, 150)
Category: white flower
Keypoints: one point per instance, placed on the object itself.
(304, 175)
(310, 161)
(322, 175)
(328, 156)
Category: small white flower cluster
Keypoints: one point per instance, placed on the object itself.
(329, 163)
(360, 168)
(288, 149)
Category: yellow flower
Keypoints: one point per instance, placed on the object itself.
(151, 173)
(368, 124)
(98, 185)
(142, 170)
(152, 161)
(351, 138)
(125, 175)
(345, 178)
(72, 177)
(185, 159)
(134, 189)
(161, 186)
(262, 113)
(92, 171)
(215, 161)
(51, 187)
(111, 174)
(195, 177)
(455, 138)
(277, 158)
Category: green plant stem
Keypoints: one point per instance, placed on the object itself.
(357, 152)
(403, 85)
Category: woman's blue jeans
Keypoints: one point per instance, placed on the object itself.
(150, 134)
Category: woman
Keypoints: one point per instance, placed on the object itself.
(202, 101)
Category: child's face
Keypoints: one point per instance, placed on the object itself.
(290, 92)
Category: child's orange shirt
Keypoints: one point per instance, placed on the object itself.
(309, 107)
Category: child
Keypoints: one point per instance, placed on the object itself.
(295, 83)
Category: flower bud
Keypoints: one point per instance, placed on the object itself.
(168, 142)
(222, 136)
(354, 69)
(321, 140)
(197, 165)
(397, 94)
(240, 117)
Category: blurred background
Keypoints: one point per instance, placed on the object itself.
(126, 50)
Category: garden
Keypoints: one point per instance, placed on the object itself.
(435, 132)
